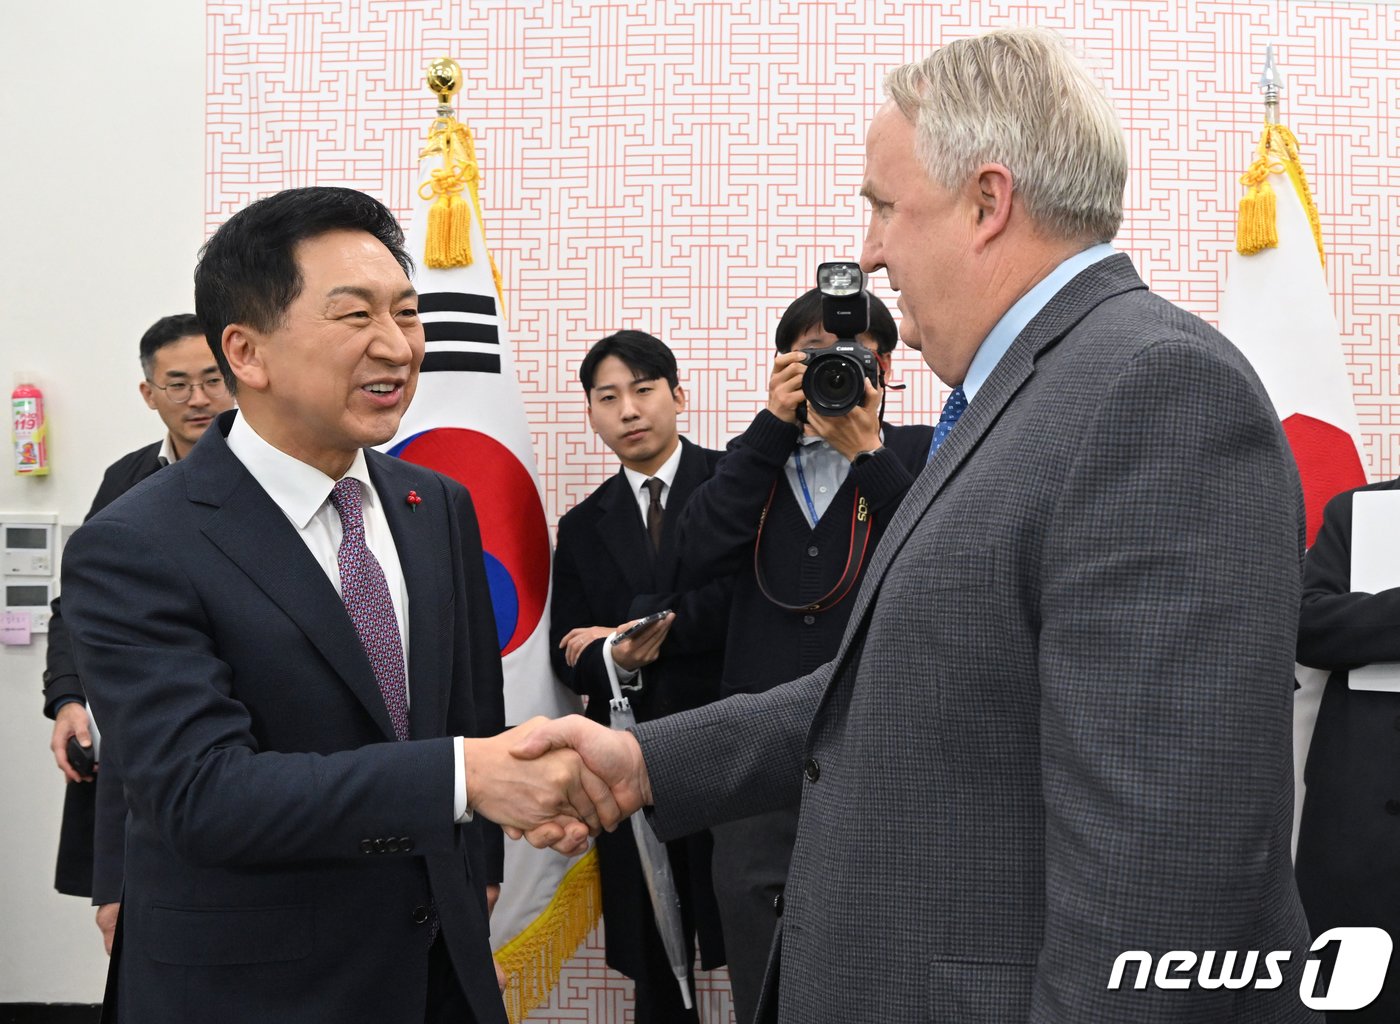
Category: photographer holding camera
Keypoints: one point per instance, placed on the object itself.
(794, 510)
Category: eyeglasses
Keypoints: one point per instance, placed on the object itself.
(181, 391)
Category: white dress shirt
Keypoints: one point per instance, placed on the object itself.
(167, 452)
(303, 493)
(666, 474)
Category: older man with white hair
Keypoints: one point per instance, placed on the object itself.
(1058, 726)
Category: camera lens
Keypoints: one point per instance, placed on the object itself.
(834, 384)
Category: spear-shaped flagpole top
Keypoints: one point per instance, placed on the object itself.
(1271, 83)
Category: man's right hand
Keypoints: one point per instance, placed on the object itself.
(71, 720)
(785, 386)
(522, 795)
(611, 755)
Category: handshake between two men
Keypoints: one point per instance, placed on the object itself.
(556, 782)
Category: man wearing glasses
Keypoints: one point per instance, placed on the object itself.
(182, 383)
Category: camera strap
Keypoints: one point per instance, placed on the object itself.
(861, 519)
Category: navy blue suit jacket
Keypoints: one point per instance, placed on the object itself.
(88, 864)
(282, 849)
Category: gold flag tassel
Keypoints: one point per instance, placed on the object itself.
(449, 242)
(1257, 228)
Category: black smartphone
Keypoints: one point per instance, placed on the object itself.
(641, 624)
(80, 757)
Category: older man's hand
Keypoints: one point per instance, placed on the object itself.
(554, 789)
(612, 756)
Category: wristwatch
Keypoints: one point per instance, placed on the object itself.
(866, 456)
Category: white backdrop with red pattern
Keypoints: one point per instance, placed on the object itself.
(681, 166)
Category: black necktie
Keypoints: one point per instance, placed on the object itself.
(655, 513)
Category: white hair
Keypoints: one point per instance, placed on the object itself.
(1020, 98)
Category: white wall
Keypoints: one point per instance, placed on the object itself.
(101, 198)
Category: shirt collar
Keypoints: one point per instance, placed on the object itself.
(1015, 319)
(666, 473)
(298, 489)
(167, 452)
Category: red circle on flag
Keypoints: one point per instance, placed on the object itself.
(513, 529)
(1328, 464)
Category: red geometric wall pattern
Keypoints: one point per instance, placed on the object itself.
(682, 166)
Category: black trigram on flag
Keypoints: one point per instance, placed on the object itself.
(456, 342)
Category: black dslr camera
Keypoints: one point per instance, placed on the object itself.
(834, 381)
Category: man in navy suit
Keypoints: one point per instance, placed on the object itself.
(616, 561)
(288, 640)
(182, 383)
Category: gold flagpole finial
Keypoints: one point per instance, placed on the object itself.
(444, 79)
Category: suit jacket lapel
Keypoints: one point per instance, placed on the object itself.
(423, 547)
(1090, 287)
(255, 534)
(623, 533)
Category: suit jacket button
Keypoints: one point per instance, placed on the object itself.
(813, 551)
(809, 619)
(778, 904)
(420, 915)
(379, 846)
(1392, 807)
(813, 770)
(392, 845)
(406, 844)
(366, 845)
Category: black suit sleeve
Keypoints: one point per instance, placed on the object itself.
(1338, 629)
(60, 675)
(721, 520)
(702, 616)
(570, 608)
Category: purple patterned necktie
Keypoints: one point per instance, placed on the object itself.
(366, 595)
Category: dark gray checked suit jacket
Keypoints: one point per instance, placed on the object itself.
(1059, 724)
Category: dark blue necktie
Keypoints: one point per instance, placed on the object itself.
(954, 407)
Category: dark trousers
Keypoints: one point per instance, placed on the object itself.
(750, 869)
(446, 1003)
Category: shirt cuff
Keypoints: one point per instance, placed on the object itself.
(624, 675)
(461, 813)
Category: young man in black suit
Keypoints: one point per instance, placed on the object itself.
(182, 383)
(783, 515)
(616, 562)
